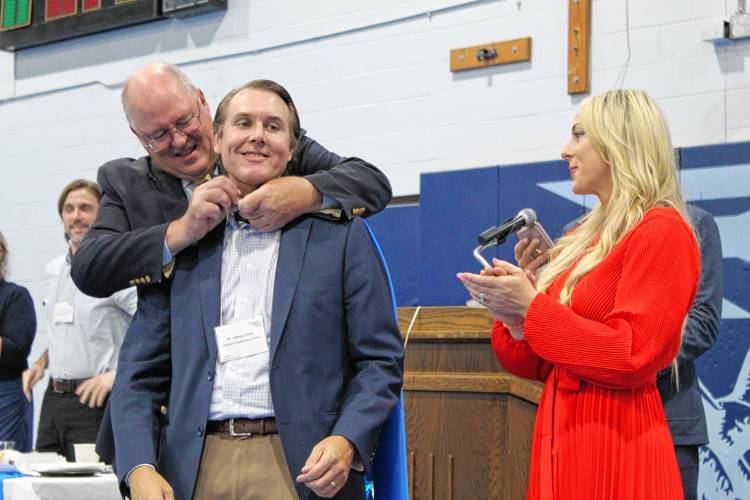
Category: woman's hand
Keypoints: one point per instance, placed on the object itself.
(528, 256)
(506, 290)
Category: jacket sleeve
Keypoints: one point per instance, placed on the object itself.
(142, 383)
(113, 253)
(357, 185)
(705, 314)
(641, 332)
(517, 357)
(375, 347)
(18, 327)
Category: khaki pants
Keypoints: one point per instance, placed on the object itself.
(244, 469)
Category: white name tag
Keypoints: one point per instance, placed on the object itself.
(63, 312)
(240, 340)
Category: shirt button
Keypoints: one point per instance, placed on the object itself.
(210, 375)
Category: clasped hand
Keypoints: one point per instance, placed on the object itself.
(209, 204)
(506, 290)
(279, 201)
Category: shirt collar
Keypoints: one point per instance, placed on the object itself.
(237, 222)
(187, 182)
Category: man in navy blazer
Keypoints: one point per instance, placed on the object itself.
(332, 362)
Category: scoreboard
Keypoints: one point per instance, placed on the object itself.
(27, 23)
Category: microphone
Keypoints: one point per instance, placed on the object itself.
(496, 235)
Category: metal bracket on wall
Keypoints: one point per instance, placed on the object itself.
(579, 41)
(491, 54)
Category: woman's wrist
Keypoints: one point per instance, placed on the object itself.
(515, 329)
(513, 326)
(516, 333)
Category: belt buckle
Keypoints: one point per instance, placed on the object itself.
(55, 384)
(237, 434)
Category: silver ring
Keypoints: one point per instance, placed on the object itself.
(482, 297)
(333, 484)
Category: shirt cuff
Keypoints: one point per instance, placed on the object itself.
(166, 253)
(328, 202)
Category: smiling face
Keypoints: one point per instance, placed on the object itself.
(589, 171)
(255, 142)
(78, 214)
(159, 106)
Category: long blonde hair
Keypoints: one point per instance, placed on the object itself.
(629, 132)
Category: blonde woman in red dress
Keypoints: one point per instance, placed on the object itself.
(606, 314)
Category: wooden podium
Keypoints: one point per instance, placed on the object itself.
(468, 422)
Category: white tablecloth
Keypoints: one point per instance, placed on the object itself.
(98, 487)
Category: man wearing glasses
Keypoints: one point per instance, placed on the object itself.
(157, 205)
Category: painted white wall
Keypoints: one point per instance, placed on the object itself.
(371, 79)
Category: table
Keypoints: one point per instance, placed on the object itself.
(98, 487)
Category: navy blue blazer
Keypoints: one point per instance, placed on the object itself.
(336, 356)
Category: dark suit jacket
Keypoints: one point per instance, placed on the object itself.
(335, 354)
(683, 407)
(140, 200)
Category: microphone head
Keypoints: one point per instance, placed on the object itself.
(529, 215)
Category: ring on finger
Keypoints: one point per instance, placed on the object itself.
(333, 484)
(482, 297)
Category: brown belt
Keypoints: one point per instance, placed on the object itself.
(243, 427)
(63, 386)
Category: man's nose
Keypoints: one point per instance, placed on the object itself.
(257, 133)
(178, 138)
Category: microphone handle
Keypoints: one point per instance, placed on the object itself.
(497, 235)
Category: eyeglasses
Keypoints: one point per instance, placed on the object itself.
(162, 139)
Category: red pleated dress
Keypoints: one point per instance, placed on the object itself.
(600, 431)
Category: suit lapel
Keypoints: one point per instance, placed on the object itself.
(288, 268)
(210, 250)
(170, 195)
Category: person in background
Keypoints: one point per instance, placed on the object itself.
(17, 330)
(606, 314)
(85, 335)
(680, 395)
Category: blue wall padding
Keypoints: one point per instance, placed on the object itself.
(454, 208)
(397, 230)
(722, 154)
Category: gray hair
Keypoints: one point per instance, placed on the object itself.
(170, 69)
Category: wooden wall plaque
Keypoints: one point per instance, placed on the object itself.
(491, 54)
